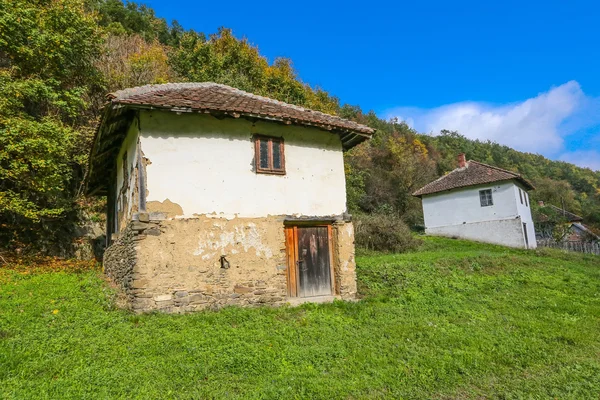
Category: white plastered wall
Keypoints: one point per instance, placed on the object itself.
(462, 205)
(506, 232)
(206, 166)
(459, 213)
(524, 211)
(130, 146)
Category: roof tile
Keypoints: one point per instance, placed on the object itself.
(216, 97)
(474, 173)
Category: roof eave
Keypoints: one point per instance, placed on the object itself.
(519, 179)
(349, 137)
(366, 133)
(93, 184)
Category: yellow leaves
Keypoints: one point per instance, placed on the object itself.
(402, 147)
(55, 311)
(131, 61)
(397, 146)
(38, 264)
(420, 148)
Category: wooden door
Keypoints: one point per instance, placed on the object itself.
(309, 261)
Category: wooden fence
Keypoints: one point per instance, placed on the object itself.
(580, 247)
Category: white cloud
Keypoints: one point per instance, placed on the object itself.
(538, 124)
(583, 158)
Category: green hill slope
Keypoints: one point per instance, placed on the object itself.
(453, 320)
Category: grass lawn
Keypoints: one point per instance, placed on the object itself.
(453, 320)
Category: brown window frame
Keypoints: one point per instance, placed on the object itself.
(272, 140)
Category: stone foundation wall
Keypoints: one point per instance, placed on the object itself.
(343, 259)
(505, 232)
(175, 265)
(179, 264)
(120, 259)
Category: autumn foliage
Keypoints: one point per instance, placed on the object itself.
(58, 60)
(35, 264)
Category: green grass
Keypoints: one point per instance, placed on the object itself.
(453, 320)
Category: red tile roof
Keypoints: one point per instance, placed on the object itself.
(474, 173)
(208, 96)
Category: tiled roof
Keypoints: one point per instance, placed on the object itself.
(208, 96)
(584, 228)
(568, 215)
(474, 173)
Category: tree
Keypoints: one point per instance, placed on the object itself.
(383, 173)
(47, 73)
(225, 59)
(555, 192)
(128, 60)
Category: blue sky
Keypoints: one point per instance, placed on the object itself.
(525, 74)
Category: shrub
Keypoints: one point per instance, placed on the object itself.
(383, 232)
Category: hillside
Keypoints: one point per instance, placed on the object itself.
(451, 320)
(59, 59)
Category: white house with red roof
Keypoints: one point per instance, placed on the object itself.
(479, 202)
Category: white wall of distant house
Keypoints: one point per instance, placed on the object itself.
(206, 165)
(524, 210)
(506, 232)
(459, 213)
(462, 205)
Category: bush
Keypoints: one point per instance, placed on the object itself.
(383, 232)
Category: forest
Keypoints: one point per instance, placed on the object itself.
(59, 59)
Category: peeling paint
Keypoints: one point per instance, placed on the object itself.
(168, 207)
(179, 268)
(245, 236)
(344, 261)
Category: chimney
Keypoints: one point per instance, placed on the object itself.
(540, 203)
(462, 162)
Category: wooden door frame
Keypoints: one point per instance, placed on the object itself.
(291, 250)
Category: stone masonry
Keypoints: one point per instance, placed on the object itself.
(182, 265)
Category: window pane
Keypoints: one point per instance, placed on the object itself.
(264, 154)
(277, 155)
(521, 195)
(485, 198)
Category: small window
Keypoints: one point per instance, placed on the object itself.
(521, 195)
(485, 197)
(269, 155)
(526, 199)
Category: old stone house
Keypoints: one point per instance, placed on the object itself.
(217, 196)
(479, 202)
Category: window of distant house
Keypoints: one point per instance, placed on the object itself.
(521, 195)
(526, 200)
(268, 155)
(485, 198)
